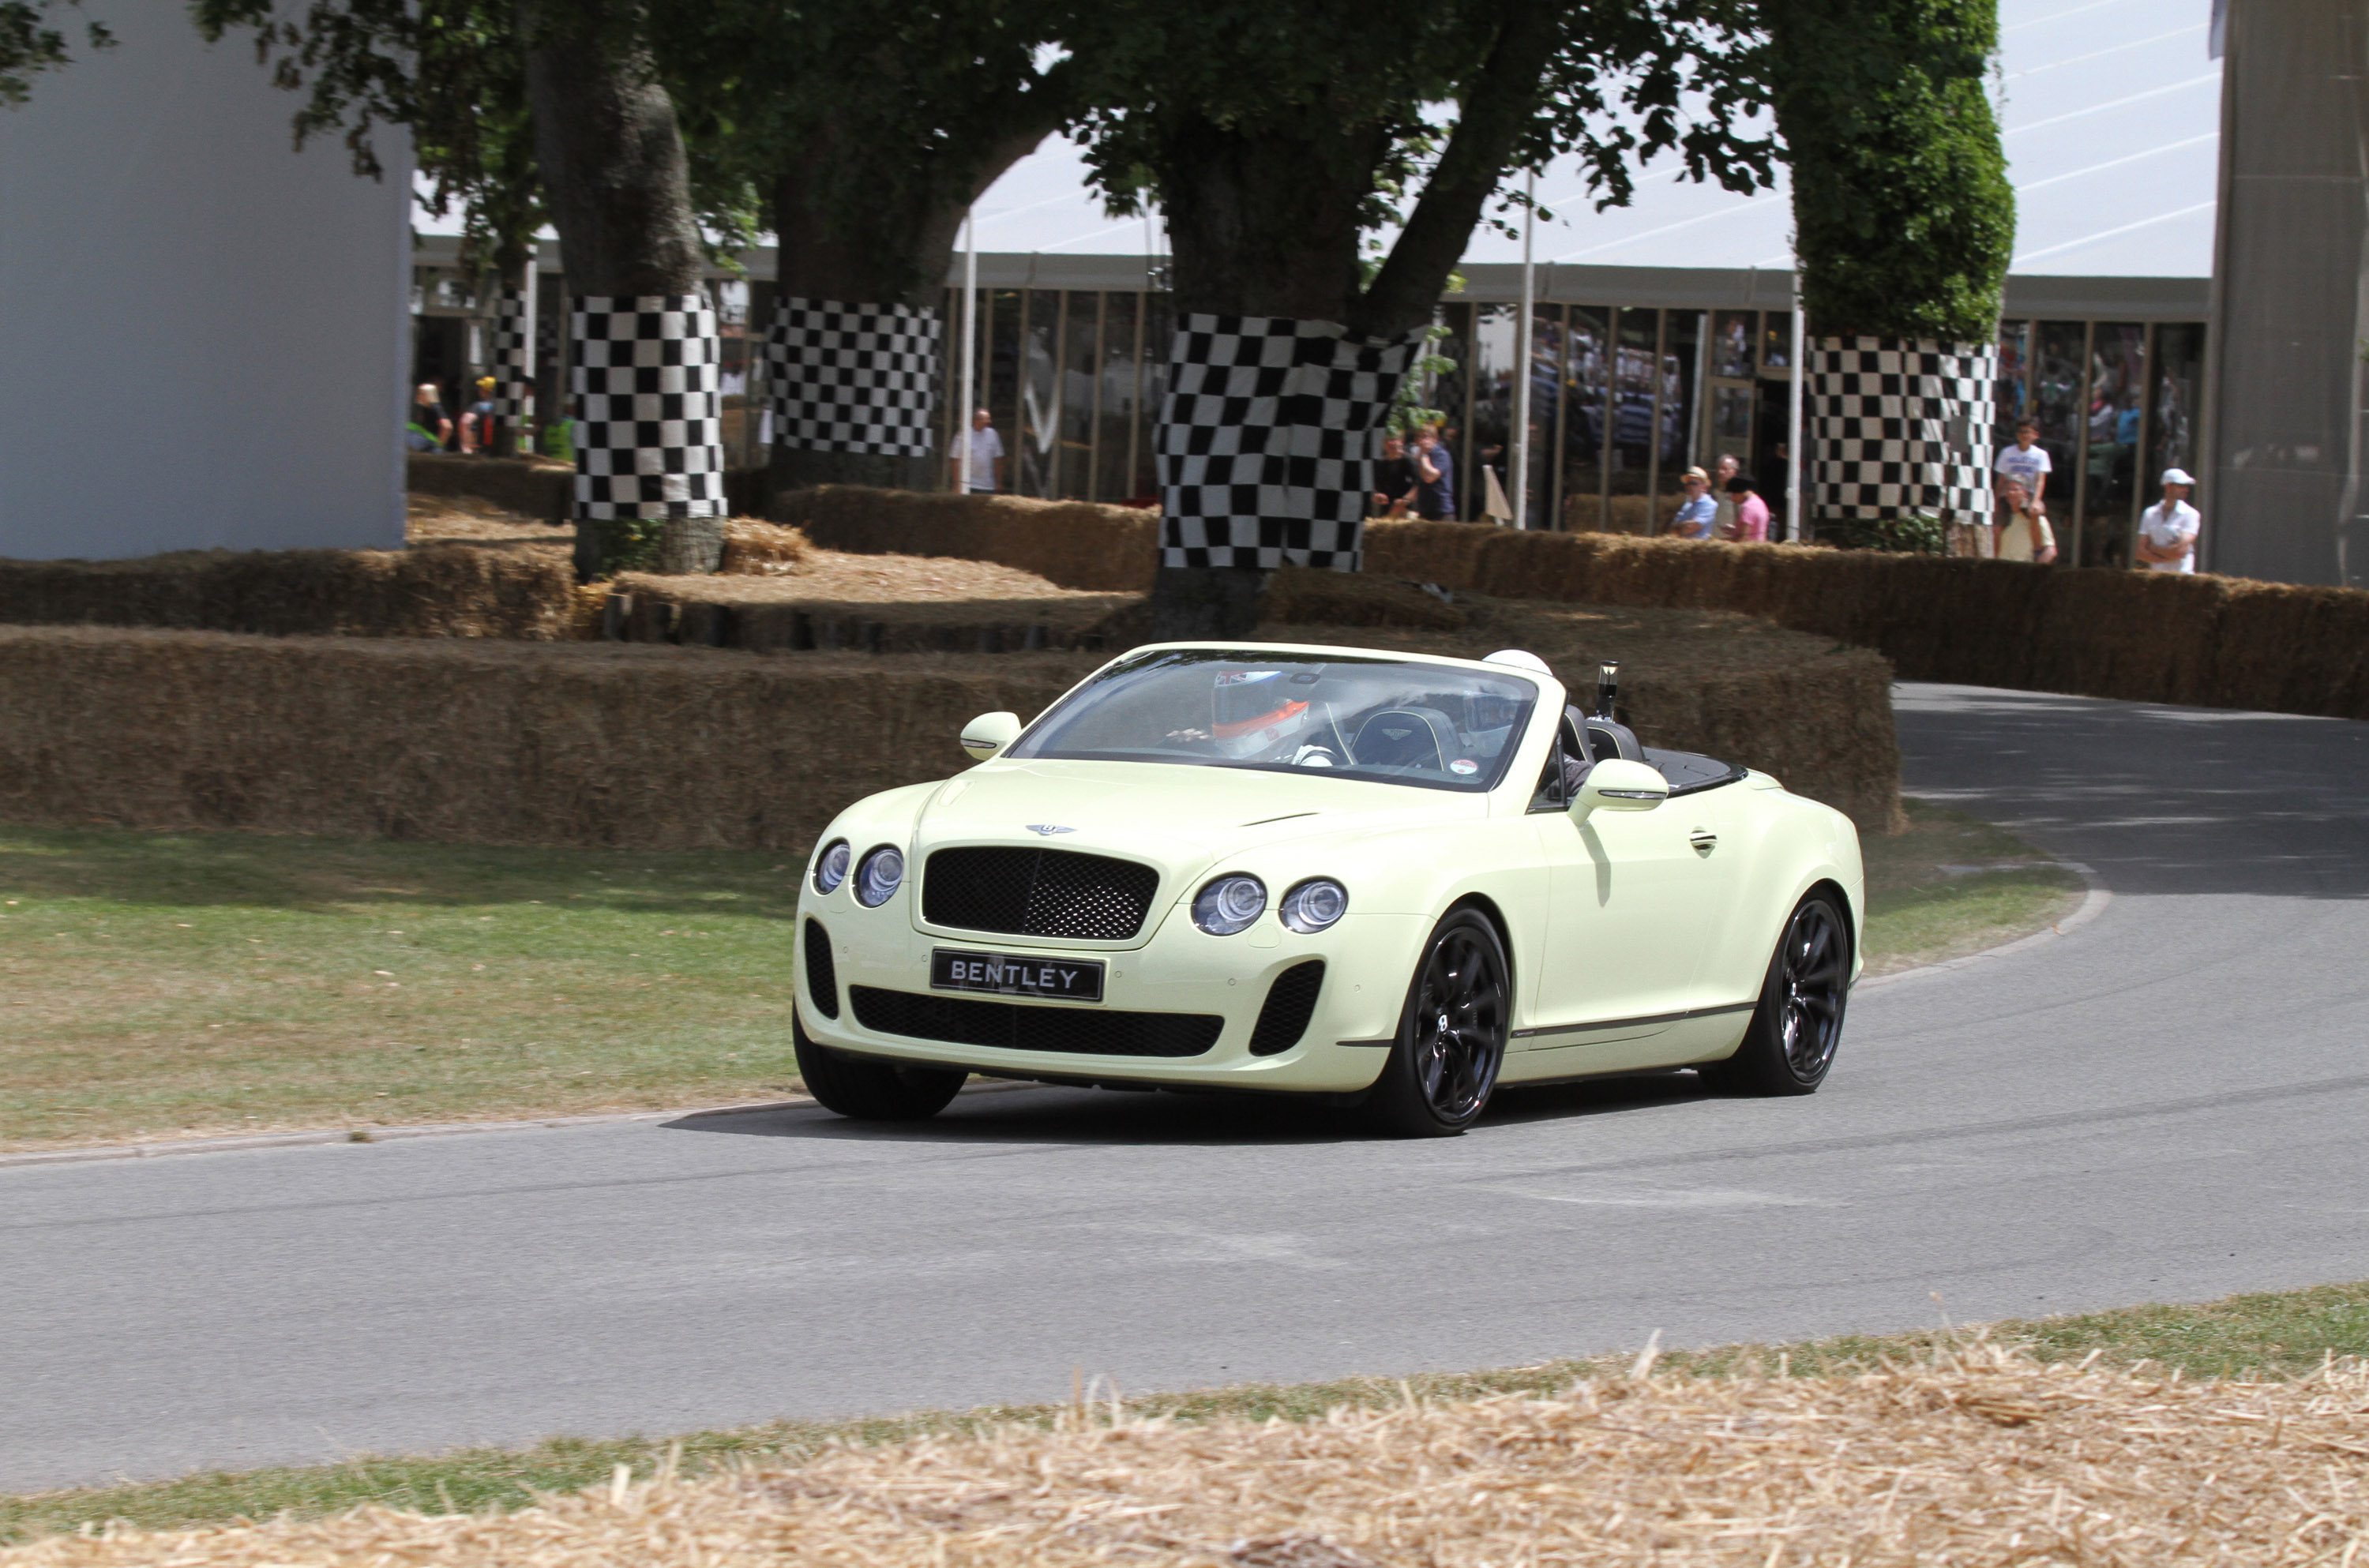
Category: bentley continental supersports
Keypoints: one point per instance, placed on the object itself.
(1394, 880)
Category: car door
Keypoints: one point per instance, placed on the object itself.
(1637, 902)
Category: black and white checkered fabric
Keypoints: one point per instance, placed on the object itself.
(1900, 427)
(854, 377)
(649, 430)
(1267, 439)
(513, 361)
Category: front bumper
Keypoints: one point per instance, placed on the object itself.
(1367, 961)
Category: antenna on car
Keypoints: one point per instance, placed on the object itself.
(1608, 687)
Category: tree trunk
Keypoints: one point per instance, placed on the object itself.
(895, 251)
(617, 185)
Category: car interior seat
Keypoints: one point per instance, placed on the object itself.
(1406, 737)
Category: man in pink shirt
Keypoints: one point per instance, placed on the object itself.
(1751, 512)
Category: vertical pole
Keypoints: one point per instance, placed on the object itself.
(1795, 509)
(969, 348)
(1518, 463)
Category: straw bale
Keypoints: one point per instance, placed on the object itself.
(1075, 544)
(2282, 649)
(442, 591)
(532, 486)
(1297, 595)
(1970, 1459)
(762, 549)
(479, 741)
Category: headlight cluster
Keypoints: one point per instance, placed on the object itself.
(1231, 903)
(876, 879)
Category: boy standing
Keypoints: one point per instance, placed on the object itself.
(2026, 461)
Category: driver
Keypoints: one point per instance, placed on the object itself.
(1252, 713)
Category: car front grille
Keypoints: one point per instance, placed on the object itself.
(1074, 1031)
(1290, 1002)
(1023, 891)
(822, 975)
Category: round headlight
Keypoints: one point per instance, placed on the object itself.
(1313, 905)
(878, 878)
(830, 867)
(1229, 904)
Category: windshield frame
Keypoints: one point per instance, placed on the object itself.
(1139, 659)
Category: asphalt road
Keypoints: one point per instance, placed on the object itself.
(2166, 1103)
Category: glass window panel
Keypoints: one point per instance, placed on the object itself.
(1492, 391)
(1635, 348)
(1731, 336)
(1587, 372)
(2057, 409)
(1546, 404)
(2171, 424)
(1040, 396)
(1451, 395)
(1682, 336)
(2014, 380)
(1002, 374)
(1114, 481)
(1777, 342)
(1159, 330)
(1081, 364)
(2116, 398)
(1731, 425)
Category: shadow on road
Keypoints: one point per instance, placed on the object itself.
(1032, 1113)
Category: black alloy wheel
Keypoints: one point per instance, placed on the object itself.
(870, 1091)
(1799, 1023)
(1452, 1034)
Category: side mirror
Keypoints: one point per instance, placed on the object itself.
(1616, 785)
(989, 733)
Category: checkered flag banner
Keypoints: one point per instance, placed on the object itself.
(1267, 438)
(513, 362)
(649, 431)
(852, 377)
(1896, 426)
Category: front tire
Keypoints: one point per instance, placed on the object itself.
(1452, 1034)
(870, 1091)
(1795, 1030)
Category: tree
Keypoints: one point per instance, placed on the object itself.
(1905, 225)
(1282, 137)
(29, 44)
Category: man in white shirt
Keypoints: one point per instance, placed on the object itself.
(2026, 461)
(986, 455)
(2167, 541)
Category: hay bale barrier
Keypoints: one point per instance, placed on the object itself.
(1075, 544)
(1958, 1461)
(530, 486)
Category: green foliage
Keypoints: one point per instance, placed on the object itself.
(1904, 218)
(1408, 412)
(29, 44)
(1910, 533)
(627, 544)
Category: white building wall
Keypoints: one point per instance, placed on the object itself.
(204, 333)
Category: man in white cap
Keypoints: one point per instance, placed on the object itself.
(2167, 541)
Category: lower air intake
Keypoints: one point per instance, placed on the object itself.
(822, 975)
(1016, 1027)
(1290, 1003)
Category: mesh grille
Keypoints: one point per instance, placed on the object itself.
(1032, 892)
(822, 975)
(1290, 1002)
(1075, 1031)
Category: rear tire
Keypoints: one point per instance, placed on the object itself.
(870, 1091)
(1452, 1034)
(1795, 1030)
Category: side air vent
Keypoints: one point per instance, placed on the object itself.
(822, 975)
(1290, 1003)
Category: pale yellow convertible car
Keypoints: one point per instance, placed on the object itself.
(1386, 878)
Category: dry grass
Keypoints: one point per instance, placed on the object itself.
(432, 520)
(1977, 1457)
(913, 584)
(762, 549)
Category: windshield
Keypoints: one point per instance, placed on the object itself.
(1361, 718)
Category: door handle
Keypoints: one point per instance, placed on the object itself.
(1704, 840)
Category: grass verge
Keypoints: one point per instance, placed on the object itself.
(158, 985)
(2284, 1333)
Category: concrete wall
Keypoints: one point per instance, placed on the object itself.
(2284, 498)
(203, 335)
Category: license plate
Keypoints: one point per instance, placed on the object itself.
(1068, 980)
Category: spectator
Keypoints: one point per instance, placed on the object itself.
(2027, 462)
(986, 455)
(1726, 469)
(2167, 541)
(1698, 514)
(1751, 512)
(1395, 479)
(429, 429)
(2025, 536)
(1435, 472)
(477, 423)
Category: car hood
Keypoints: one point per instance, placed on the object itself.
(1182, 819)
